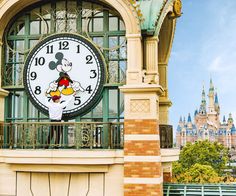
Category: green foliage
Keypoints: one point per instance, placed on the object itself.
(204, 153)
(201, 162)
(201, 174)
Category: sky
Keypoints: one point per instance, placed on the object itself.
(204, 47)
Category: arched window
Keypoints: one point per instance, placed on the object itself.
(99, 23)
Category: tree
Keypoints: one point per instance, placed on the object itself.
(204, 153)
(201, 162)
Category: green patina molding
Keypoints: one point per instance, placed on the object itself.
(148, 12)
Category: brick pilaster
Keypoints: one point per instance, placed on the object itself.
(142, 160)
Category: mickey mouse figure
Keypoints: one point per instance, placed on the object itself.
(64, 84)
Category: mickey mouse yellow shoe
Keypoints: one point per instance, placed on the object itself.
(67, 91)
(53, 93)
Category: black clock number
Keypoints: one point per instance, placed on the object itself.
(33, 75)
(77, 101)
(49, 49)
(64, 45)
(89, 89)
(89, 59)
(37, 90)
(94, 74)
(39, 61)
(78, 49)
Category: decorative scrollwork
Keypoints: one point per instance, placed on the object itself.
(27, 50)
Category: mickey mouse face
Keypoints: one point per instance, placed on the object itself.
(65, 66)
(62, 64)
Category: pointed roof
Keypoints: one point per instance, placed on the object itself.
(211, 89)
(180, 119)
(203, 96)
(224, 120)
(196, 112)
(189, 118)
(216, 98)
(230, 117)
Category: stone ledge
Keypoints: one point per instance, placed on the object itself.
(170, 154)
(62, 157)
(142, 88)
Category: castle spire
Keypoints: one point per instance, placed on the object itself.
(211, 89)
(224, 120)
(211, 95)
(217, 106)
(216, 99)
(203, 96)
(189, 118)
(202, 109)
(180, 119)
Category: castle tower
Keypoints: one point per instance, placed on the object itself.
(230, 121)
(179, 133)
(217, 109)
(201, 116)
(212, 115)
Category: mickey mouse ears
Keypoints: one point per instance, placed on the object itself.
(59, 56)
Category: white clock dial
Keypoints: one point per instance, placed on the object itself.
(65, 65)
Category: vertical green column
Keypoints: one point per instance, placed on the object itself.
(105, 104)
(5, 139)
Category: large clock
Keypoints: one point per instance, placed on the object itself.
(65, 65)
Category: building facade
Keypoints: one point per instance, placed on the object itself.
(207, 124)
(113, 146)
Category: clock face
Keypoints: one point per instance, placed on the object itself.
(65, 65)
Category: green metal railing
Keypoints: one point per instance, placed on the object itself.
(199, 189)
(75, 135)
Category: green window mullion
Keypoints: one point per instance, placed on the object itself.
(53, 17)
(79, 17)
(26, 106)
(118, 42)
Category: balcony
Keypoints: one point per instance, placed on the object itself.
(75, 135)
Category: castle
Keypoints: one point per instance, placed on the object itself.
(207, 125)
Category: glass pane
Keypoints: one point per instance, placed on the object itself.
(123, 67)
(71, 25)
(123, 48)
(71, 9)
(32, 111)
(113, 103)
(34, 27)
(97, 112)
(122, 26)
(97, 24)
(121, 105)
(88, 115)
(113, 72)
(98, 41)
(19, 104)
(20, 27)
(60, 9)
(45, 27)
(46, 11)
(20, 49)
(113, 24)
(113, 44)
(8, 75)
(60, 25)
(9, 52)
(19, 74)
(33, 43)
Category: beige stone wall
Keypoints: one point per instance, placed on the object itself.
(7, 180)
(73, 184)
